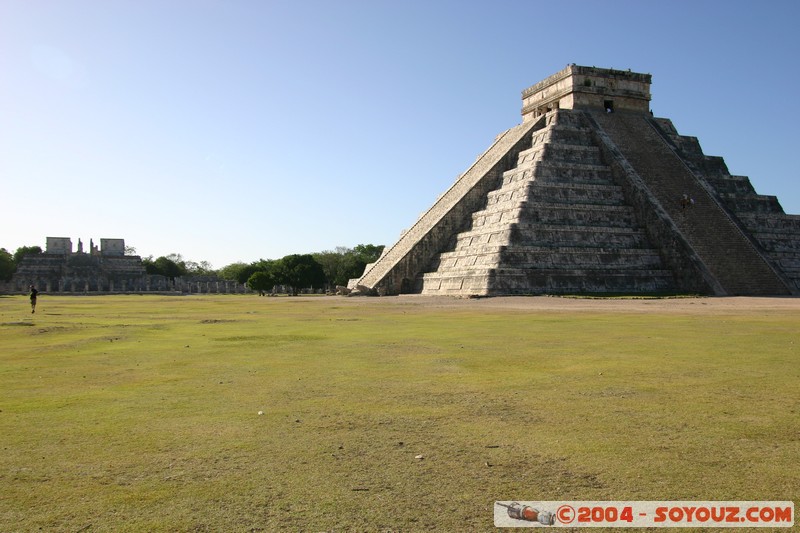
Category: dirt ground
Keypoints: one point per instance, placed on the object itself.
(699, 305)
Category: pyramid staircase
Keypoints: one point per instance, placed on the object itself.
(761, 216)
(557, 224)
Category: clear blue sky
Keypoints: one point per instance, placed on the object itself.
(236, 130)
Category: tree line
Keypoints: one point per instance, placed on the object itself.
(318, 270)
(296, 271)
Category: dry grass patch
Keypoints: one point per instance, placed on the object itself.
(140, 413)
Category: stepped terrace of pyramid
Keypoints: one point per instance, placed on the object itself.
(592, 194)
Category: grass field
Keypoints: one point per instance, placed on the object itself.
(141, 413)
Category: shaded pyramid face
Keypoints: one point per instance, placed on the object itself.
(590, 201)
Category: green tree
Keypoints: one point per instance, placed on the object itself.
(299, 271)
(343, 264)
(163, 266)
(179, 262)
(203, 268)
(7, 265)
(149, 267)
(363, 254)
(169, 268)
(243, 272)
(231, 272)
(332, 263)
(261, 281)
(368, 253)
(23, 251)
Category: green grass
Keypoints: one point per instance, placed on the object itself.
(140, 413)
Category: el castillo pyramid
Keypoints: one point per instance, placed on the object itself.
(591, 194)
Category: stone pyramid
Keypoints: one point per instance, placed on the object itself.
(591, 194)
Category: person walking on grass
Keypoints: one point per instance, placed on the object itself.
(34, 294)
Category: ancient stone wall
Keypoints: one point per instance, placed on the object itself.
(83, 273)
(113, 247)
(58, 245)
(578, 87)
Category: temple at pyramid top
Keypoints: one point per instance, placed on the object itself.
(578, 87)
(592, 194)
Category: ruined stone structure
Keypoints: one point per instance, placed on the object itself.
(103, 269)
(59, 269)
(592, 194)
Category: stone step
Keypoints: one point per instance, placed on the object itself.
(578, 236)
(751, 203)
(579, 257)
(537, 257)
(498, 215)
(485, 257)
(560, 153)
(489, 233)
(777, 242)
(513, 195)
(577, 215)
(564, 136)
(517, 177)
(565, 120)
(577, 193)
(569, 193)
(481, 243)
(713, 166)
(613, 216)
(732, 184)
(787, 260)
(782, 223)
(583, 282)
(474, 284)
(552, 172)
(543, 281)
(554, 235)
(568, 153)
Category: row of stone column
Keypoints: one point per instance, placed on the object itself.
(132, 285)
